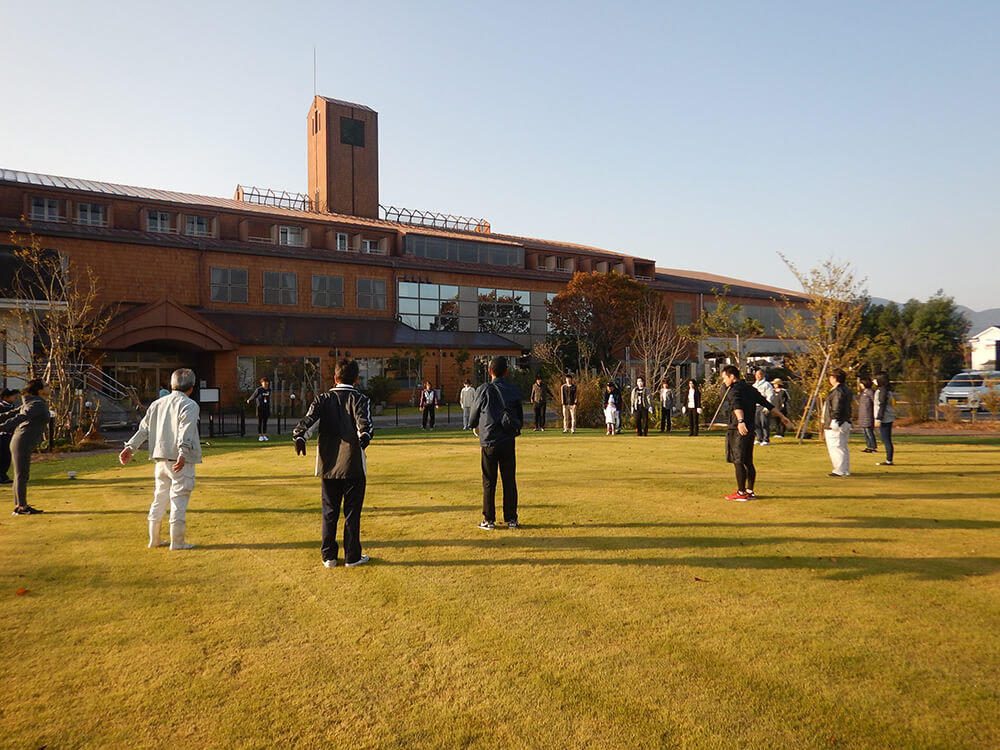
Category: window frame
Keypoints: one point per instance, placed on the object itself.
(228, 285)
(373, 295)
(285, 229)
(50, 211)
(327, 292)
(282, 293)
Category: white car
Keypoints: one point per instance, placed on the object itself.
(965, 389)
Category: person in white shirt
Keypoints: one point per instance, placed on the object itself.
(171, 426)
(762, 419)
(466, 399)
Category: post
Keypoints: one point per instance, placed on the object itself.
(397, 414)
(211, 425)
(243, 424)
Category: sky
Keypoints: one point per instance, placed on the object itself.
(704, 135)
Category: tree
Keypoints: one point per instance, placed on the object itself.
(724, 322)
(655, 339)
(60, 308)
(825, 333)
(596, 311)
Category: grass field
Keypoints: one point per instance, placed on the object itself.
(635, 609)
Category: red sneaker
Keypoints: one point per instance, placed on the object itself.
(739, 496)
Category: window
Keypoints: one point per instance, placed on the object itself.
(228, 285)
(682, 313)
(342, 241)
(197, 226)
(292, 236)
(463, 251)
(352, 132)
(328, 291)
(157, 221)
(91, 214)
(428, 307)
(45, 209)
(370, 247)
(504, 311)
(280, 288)
(371, 294)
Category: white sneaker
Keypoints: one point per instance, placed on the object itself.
(260, 438)
(765, 443)
(756, 442)
(329, 563)
(264, 438)
(360, 561)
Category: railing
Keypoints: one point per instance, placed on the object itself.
(273, 198)
(261, 240)
(433, 219)
(95, 379)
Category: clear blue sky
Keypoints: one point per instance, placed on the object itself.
(705, 135)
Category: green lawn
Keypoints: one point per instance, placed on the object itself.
(636, 608)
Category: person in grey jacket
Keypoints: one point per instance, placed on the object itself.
(885, 415)
(171, 426)
(344, 420)
(28, 425)
(866, 413)
(837, 424)
(494, 401)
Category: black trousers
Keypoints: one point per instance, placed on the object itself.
(762, 425)
(428, 416)
(779, 427)
(641, 421)
(499, 456)
(692, 421)
(263, 414)
(5, 454)
(350, 492)
(540, 416)
(665, 418)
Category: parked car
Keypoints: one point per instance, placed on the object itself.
(965, 389)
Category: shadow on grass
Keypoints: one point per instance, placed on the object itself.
(518, 540)
(851, 522)
(832, 568)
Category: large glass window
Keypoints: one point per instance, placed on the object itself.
(280, 288)
(682, 313)
(228, 285)
(371, 294)
(428, 307)
(328, 291)
(504, 311)
(463, 251)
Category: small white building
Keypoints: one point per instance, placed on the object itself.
(984, 348)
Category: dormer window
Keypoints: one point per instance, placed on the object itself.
(291, 236)
(91, 214)
(198, 226)
(45, 209)
(158, 221)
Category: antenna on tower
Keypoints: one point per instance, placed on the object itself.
(314, 70)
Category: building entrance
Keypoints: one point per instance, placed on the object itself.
(147, 372)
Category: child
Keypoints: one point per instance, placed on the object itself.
(343, 416)
(610, 409)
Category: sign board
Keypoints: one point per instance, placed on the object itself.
(208, 396)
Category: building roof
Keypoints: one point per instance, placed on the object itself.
(985, 330)
(707, 283)
(281, 330)
(342, 103)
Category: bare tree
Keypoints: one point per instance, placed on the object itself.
(655, 339)
(60, 309)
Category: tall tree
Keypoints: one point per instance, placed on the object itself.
(597, 312)
(655, 339)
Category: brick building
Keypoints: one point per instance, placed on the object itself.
(283, 284)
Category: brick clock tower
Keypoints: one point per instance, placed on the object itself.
(343, 158)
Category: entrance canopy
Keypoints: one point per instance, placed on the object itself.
(165, 320)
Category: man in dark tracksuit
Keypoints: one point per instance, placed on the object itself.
(493, 400)
(6, 409)
(540, 394)
(742, 400)
(263, 398)
(343, 417)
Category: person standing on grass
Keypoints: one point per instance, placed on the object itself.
(171, 426)
(692, 406)
(666, 405)
(7, 409)
(780, 401)
(497, 417)
(428, 405)
(466, 398)
(762, 419)
(27, 427)
(263, 398)
(568, 396)
(540, 395)
(741, 400)
(610, 408)
(866, 414)
(885, 415)
(641, 403)
(343, 417)
(837, 423)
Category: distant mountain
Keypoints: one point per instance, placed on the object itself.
(978, 321)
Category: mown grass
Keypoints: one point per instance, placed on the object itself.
(636, 608)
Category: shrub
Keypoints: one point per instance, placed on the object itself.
(381, 388)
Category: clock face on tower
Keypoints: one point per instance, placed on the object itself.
(352, 132)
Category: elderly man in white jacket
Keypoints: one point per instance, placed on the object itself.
(171, 425)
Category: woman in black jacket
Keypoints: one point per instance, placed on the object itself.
(28, 424)
(691, 405)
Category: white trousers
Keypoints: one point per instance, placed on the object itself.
(173, 488)
(836, 444)
(466, 414)
(569, 417)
